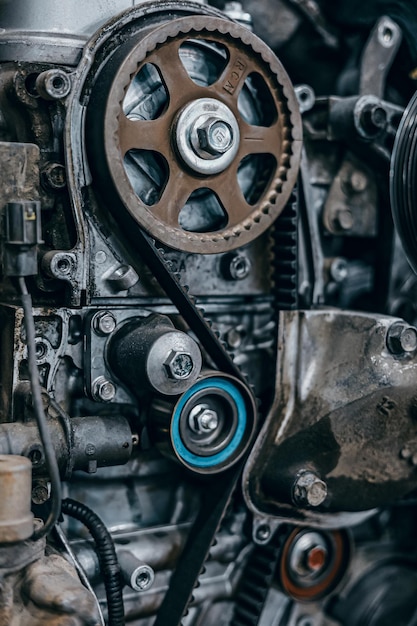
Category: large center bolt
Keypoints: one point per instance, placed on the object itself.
(207, 136)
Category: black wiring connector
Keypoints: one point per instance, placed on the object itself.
(109, 564)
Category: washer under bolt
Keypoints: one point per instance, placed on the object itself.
(104, 323)
(202, 419)
(309, 490)
(179, 365)
(401, 338)
(103, 389)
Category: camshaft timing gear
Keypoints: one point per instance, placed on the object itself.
(194, 129)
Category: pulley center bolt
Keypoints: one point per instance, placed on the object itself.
(207, 136)
(215, 136)
(309, 555)
(202, 419)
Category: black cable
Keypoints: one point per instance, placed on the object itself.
(109, 564)
(45, 435)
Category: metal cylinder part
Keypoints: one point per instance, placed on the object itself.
(16, 518)
(137, 574)
(152, 354)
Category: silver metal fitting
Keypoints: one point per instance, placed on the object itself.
(202, 419)
(104, 323)
(207, 136)
(401, 338)
(215, 136)
(179, 365)
(309, 490)
(53, 84)
(103, 390)
(240, 267)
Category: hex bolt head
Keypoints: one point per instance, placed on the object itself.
(215, 136)
(401, 338)
(103, 390)
(104, 323)
(373, 119)
(309, 490)
(358, 181)
(179, 365)
(339, 270)
(202, 419)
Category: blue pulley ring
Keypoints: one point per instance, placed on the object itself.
(236, 423)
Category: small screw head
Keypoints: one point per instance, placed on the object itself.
(263, 532)
(179, 365)
(373, 119)
(104, 323)
(103, 390)
(339, 270)
(401, 338)
(40, 493)
(358, 181)
(343, 219)
(215, 136)
(54, 177)
(309, 490)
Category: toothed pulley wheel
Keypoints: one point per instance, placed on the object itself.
(194, 132)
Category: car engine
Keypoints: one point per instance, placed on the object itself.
(208, 304)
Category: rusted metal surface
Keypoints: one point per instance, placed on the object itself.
(282, 139)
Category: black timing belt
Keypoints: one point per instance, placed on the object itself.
(186, 306)
(216, 499)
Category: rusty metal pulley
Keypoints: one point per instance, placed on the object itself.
(203, 159)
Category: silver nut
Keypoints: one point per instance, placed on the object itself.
(104, 323)
(401, 338)
(103, 390)
(179, 365)
(309, 490)
(215, 136)
(202, 419)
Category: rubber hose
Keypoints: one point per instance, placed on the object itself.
(109, 564)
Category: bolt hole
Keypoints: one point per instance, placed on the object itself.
(30, 85)
(58, 83)
(63, 266)
(36, 456)
(387, 34)
(40, 350)
(142, 580)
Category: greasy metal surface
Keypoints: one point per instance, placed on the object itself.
(282, 139)
(47, 592)
(355, 432)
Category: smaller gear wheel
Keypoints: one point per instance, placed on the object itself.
(195, 128)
